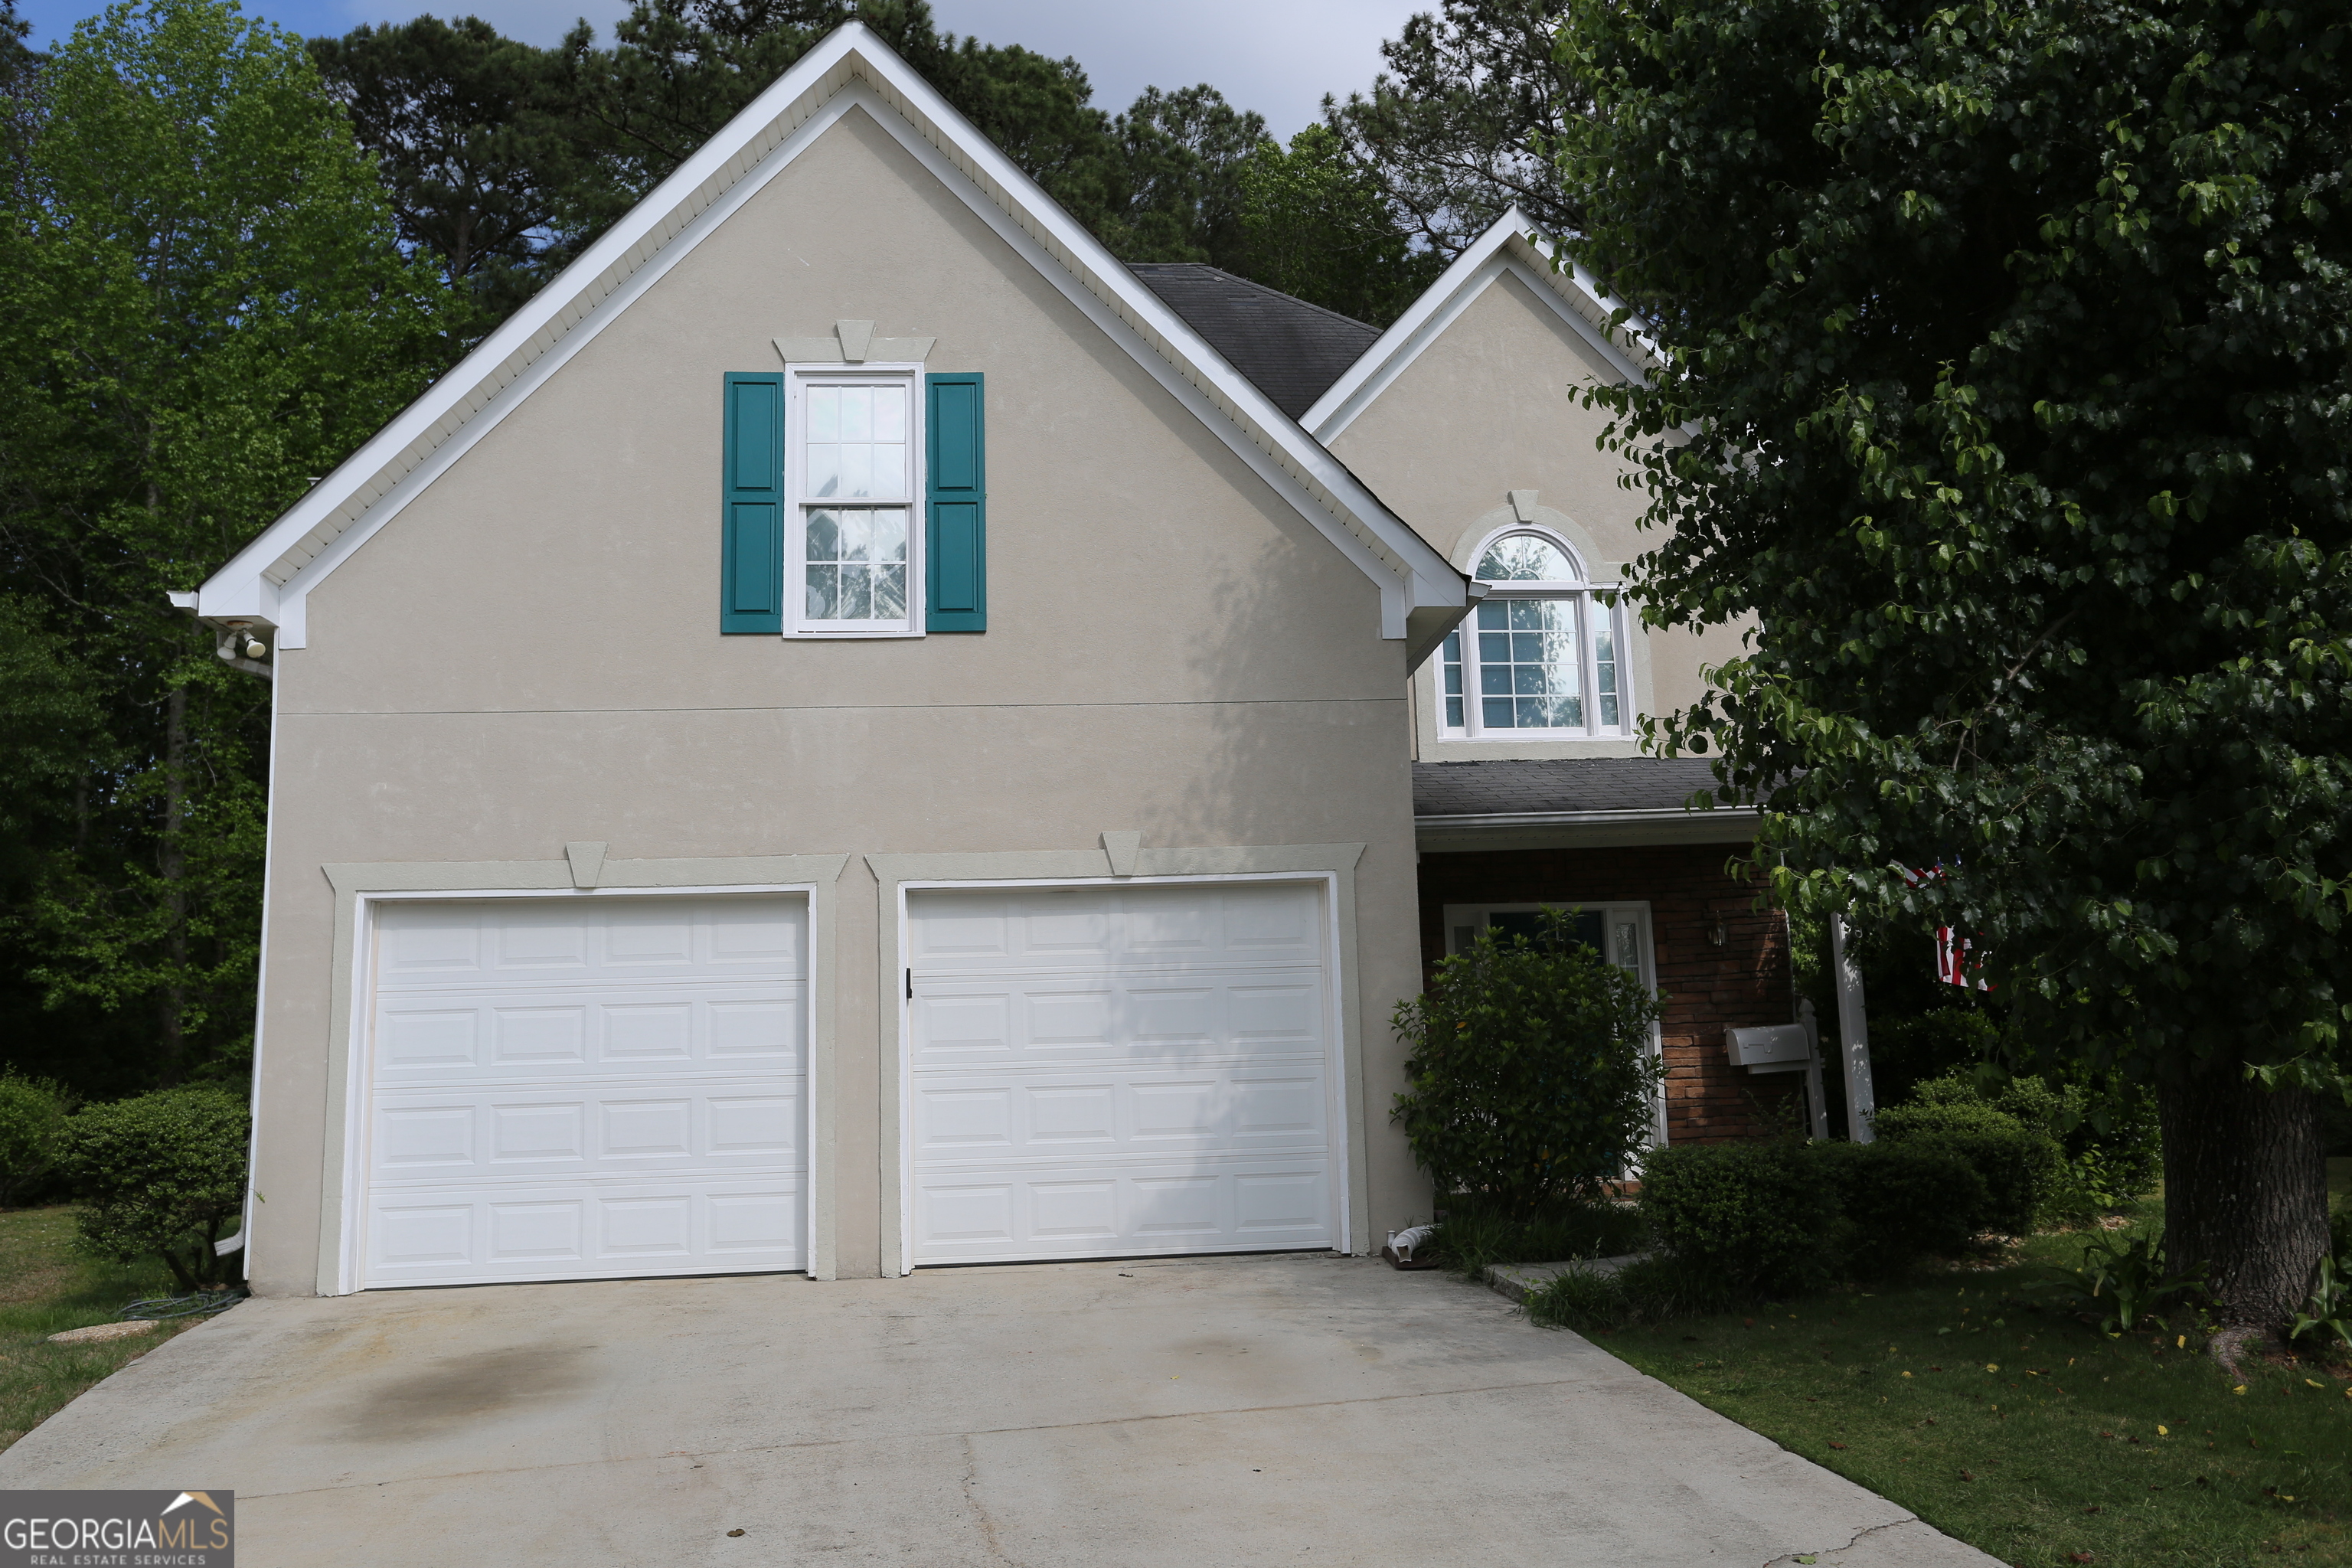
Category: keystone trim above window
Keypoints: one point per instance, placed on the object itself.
(854, 503)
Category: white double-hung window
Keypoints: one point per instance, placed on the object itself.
(1542, 654)
(854, 447)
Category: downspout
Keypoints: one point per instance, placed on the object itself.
(237, 644)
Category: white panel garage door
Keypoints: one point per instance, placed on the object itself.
(564, 1088)
(1132, 1070)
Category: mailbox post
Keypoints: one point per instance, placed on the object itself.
(1853, 1036)
(1785, 1048)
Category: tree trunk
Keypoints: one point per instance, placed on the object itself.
(171, 865)
(2245, 1193)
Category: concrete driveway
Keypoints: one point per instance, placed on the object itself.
(1291, 1409)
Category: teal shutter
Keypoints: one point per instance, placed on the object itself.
(955, 537)
(751, 505)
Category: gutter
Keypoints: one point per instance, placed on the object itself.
(1727, 815)
(238, 642)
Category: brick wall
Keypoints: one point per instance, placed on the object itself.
(1708, 988)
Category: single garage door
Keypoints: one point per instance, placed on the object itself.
(1119, 1072)
(569, 1088)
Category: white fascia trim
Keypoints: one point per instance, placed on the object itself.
(369, 476)
(293, 624)
(1427, 579)
(269, 578)
(1511, 246)
(1407, 582)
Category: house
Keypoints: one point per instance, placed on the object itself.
(1530, 788)
(857, 732)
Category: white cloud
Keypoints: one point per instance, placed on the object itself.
(1277, 56)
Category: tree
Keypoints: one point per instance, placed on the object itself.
(504, 161)
(2010, 344)
(32, 1129)
(1466, 125)
(203, 303)
(477, 147)
(679, 70)
(1176, 191)
(19, 77)
(1312, 226)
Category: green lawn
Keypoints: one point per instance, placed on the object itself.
(46, 1286)
(2011, 1425)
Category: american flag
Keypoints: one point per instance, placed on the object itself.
(1954, 962)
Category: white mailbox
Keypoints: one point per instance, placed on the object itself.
(1774, 1048)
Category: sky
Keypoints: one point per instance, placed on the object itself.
(1277, 56)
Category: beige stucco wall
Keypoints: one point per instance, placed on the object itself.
(528, 654)
(1494, 405)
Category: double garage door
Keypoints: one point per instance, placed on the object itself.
(617, 1086)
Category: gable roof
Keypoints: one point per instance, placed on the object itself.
(1513, 247)
(1289, 350)
(269, 579)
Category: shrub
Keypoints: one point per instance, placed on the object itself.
(32, 1123)
(1581, 1300)
(1532, 1078)
(2334, 1125)
(2325, 1321)
(1900, 1201)
(2108, 1136)
(2123, 1281)
(1907, 1052)
(1474, 1235)
(1651, 1290)
(1662, 1287)
(2114, 1148)
(164, 1174)
(2023, 1169)
(1754, 1217)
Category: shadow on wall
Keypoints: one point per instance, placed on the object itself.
(1284, 762)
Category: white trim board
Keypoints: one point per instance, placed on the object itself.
(1510, 248)
(270, 579)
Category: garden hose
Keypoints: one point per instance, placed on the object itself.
(162, 1309)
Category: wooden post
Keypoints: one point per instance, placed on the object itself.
(1853, 1036)
(1816, 1099)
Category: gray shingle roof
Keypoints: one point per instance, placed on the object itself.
(1290, 350)
(1563, 784)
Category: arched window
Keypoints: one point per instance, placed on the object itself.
(1539, 654)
